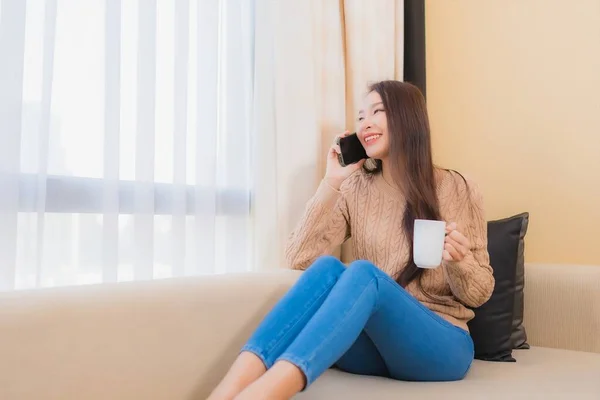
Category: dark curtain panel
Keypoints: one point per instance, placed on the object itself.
(414, 43)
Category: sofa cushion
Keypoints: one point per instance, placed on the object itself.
(542, 373)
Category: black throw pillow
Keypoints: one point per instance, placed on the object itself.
(492, 327)
(518, 334)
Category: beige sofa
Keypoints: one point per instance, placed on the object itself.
(173, 339)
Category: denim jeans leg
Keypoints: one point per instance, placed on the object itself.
(336, 325)
(290, 315)
(414, 343)
(363, 358)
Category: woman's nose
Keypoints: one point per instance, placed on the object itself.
(365, 124)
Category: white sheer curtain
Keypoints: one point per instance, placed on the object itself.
(314, 59)
(125, 139)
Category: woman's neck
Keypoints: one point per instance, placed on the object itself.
(387, 174)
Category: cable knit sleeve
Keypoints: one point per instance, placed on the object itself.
(324, 226)
(471, 280)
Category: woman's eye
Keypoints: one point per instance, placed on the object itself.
(378, 110)
(360, 119)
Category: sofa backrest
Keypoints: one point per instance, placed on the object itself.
(562, 306)
(164, 339)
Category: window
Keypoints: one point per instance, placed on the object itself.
(133, 150)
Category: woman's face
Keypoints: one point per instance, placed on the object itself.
(372, 127)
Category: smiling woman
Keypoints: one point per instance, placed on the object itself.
(125, 130)
(370, 316)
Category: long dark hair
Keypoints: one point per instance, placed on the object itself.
(410, 161)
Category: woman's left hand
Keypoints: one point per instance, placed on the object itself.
(456, 245)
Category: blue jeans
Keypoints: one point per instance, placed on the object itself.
(361, 321)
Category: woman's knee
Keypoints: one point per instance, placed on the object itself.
(327, 265)
(363, 268)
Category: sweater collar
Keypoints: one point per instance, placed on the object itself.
(387, 189)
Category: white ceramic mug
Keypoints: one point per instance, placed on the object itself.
(428, 242)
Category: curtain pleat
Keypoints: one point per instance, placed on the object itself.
(235, 92)
(112, 125)
(267, 237)
(180, 107)
(44, 130)
(145, 142)
(207, 108)
(12, 49)
(371, 45)
(400, 39)
(330, 101)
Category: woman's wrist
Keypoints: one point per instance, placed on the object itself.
(334, 183)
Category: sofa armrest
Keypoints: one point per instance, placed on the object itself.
(171, 338)
(238, 307)
(562, 306)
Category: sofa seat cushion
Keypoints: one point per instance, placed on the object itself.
(539, 373)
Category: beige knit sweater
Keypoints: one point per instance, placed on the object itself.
(370, 211)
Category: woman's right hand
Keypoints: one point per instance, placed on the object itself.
(336, 174)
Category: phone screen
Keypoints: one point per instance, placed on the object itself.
(352, 150)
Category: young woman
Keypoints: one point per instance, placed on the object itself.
(381, 315)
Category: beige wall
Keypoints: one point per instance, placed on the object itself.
(514, 99)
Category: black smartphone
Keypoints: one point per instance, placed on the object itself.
(352, 150)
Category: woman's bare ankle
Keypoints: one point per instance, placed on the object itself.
(246, 369)
(224, 393)
(282, 381)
